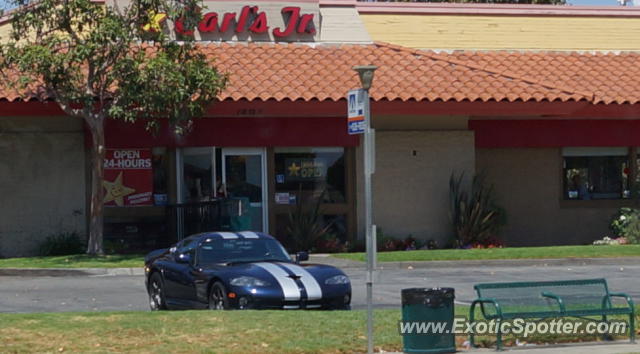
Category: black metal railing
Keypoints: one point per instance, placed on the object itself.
(216, 215)
(140, 234)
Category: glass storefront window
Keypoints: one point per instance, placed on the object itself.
(159, 164)
(244, 180)
(596, 177)
(198, 174)
(311, 171)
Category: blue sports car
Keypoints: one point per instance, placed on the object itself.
(240, 270)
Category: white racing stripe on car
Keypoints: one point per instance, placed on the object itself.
(227, 235)
(288, 285)
(314, 292)
(249, 234)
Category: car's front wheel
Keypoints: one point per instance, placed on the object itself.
(156, 293)
(218, 299)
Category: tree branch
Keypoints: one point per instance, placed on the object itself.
(66, 108)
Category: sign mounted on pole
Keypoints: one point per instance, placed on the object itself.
(355, 112)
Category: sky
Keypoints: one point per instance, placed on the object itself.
(3, 3)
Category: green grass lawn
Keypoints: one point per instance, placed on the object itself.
(502, 253)
(132, 261)
(75, 261)
(207, 331)
(198, 331)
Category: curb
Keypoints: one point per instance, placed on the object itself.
(614, 347)
(65, 272)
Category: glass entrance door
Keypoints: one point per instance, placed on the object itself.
(244, 178)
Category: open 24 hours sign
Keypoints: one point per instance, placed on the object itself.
(128, 177)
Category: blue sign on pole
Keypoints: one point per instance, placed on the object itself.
(355, 112)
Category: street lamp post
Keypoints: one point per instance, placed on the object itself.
(365, 72)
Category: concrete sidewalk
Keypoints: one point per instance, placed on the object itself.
(570, 348)
(618, 347)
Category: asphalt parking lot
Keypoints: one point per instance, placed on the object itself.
(127, 292)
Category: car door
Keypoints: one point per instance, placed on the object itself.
(179, 277)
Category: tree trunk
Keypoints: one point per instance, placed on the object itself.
(96, 224)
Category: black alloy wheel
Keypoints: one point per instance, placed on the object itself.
(156, 293)
(218, 299)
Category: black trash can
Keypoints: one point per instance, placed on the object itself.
(423, 310)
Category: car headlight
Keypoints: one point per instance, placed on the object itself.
(248, 281)
(337, 279)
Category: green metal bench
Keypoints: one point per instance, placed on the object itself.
(549, 299)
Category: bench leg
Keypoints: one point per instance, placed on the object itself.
(605, 336)
(499, 336)
(632, 327)
(472, 343)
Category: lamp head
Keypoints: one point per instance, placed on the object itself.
(365, 72)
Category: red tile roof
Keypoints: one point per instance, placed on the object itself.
(324, 72)
(295, 72)
(607, 77)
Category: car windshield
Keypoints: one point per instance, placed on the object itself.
(241, 250)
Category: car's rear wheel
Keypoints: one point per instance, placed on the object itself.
(156, 293)
(218, 299)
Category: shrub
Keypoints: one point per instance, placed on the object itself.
(626, 223)
(386, 242)
(431, 244)
(611, 241)
(474, 215)
(306, 225)
(115, 246)
(329, 243)
(357, 246)
(620, 221)
(389, 243)
(489, 242)
(62, 244)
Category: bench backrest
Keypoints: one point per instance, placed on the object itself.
(529, 297)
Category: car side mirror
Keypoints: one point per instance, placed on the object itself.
(302, 256)
(183, 258)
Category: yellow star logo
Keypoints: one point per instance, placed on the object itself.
(155, 24)
(116, 191)
(294, 170)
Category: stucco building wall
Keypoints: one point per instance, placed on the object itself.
(42, 181)
(411, 181)
(528, 184)
(502, 27)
